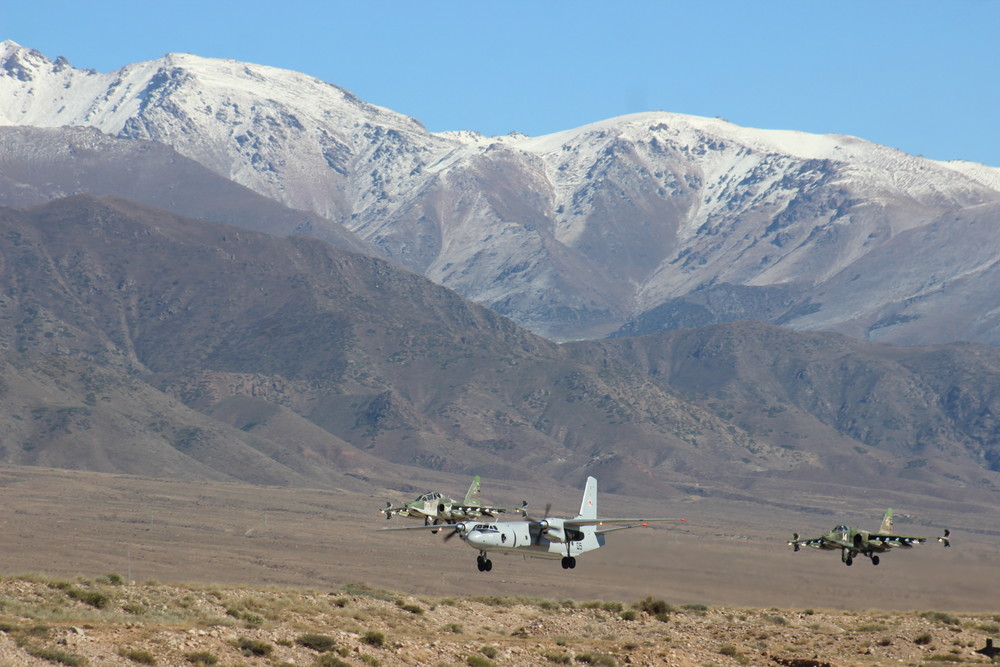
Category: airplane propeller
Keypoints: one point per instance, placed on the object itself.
(388, 511)
(540, 525)
(458, 528)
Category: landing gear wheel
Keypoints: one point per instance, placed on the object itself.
(849, 562)
(565, 562)
(487, 565)
(875, 560)
(481, 563)
(572, 562)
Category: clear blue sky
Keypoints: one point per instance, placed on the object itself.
(917, 75)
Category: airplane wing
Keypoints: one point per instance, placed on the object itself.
(907, 541)
(486, 510)
(431, 527)
(578, 523)
(818, 543)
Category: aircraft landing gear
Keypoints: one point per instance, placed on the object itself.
(483, 563)
(875, 560)
(568, 562)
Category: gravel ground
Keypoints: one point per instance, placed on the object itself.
(107, 622)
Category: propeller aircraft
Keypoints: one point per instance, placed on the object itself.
(435, 509)
(853, 542)
(548, 537)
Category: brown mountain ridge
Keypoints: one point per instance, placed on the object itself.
(303, 362)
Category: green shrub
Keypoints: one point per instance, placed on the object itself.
(201, 658)
(319, 643)
(489, 651)
(374, 638)
(558, 658)
(734, 653)
(654, 607)
(370, 660)
(58, 656)
(253, 646)
(923, 639)
(478, 661)
(412, 608)
(941, 617)
(627, 615)
(600, 659)
(330, 660)
(95, 599)
(454, 628)
(138, 656)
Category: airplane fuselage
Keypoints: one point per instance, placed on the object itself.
(522, 538)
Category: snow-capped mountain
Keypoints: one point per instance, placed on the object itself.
(656, 220)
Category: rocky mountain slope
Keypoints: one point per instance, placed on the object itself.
(319, 358)
(639, 223)
(306, 363)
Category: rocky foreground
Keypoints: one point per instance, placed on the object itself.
(107, 621)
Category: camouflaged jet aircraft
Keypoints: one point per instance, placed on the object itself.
(853, 542)
(548, 537)
(437, 510)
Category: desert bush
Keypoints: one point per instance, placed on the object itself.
(370, 660)
(778, 620)
(941, 617)
(478, 661)
(923, 639)
(57, 656)
(695, 607)
(95, 599)
(885, 641)
(374, 638)
(454, 628)
(627, 615)
(558, 658)
(733, 652)
(141, 657)
(489, 651)
(412, 608)
(114, 579)
(364, 590)
(654, 607)
(613, 607)
(319, 643)
(600, 659)
(330, 660)
(201, 658)
(253, 646)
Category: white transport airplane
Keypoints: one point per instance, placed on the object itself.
(549, 537)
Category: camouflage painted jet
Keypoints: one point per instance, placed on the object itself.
(436, 510)
(853, 542)
(545, 538)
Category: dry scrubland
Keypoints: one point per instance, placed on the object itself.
(107, 621)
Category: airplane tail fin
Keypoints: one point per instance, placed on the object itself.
(472, 497)
(588, 506)
(886, 523)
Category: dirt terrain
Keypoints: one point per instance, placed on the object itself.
(105, 622)
(315, 561)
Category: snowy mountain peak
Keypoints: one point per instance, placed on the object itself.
(571, 234)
